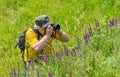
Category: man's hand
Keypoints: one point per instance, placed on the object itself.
(42, 43)
(49, 30)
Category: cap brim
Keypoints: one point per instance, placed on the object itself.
(47, 24)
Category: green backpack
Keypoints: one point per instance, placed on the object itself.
(21, 42)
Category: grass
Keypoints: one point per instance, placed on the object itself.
(96, 55)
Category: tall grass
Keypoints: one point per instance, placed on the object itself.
(93, 29)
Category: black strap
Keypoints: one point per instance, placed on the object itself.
(37, 32)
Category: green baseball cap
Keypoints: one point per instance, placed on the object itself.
(42, 21)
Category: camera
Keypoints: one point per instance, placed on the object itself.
(55, 27)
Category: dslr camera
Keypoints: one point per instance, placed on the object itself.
(55, 26)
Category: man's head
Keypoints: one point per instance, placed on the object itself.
(42, 21)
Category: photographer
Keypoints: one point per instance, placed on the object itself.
(43, 46)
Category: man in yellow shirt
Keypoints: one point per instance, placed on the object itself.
(43, 46)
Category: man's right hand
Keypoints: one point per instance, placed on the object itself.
(49, 30)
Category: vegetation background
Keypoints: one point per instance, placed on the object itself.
(93, 27)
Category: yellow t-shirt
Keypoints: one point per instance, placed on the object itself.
(31, 40)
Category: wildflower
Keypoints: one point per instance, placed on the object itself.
(97, 28)
(112, 22)
(66, 51)
(44, 58)
(73, 52)
(86, 37)
(90, 30)
(14, 72)
(58, 55)
(97, 24)
(50, 75)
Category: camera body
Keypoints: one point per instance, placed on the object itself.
(55, 27)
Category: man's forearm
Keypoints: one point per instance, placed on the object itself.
(63, 36)
(41, 44)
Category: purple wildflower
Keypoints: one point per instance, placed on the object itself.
(66, 51)
(50, 75)
(58, 55)
(14, 72)
(44, 58)
(86, 37)
(97, 24)
(90, 30)
(97, 28)
(112, 22)
(73, 52)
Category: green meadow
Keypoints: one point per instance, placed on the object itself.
(93, 28)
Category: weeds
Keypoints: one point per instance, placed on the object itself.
(92, 26)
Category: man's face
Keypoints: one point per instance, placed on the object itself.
(42, 31)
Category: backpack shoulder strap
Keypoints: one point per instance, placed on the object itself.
(37, 32)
